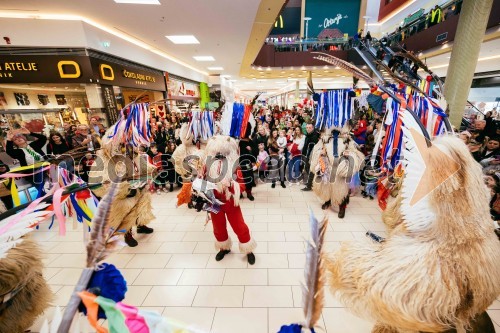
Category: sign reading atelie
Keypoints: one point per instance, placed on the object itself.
(44, 69)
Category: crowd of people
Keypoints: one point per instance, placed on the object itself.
(276, 151)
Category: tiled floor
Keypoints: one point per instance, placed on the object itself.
(174, 270)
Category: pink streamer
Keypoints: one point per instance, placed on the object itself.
(135, 322)
(21, 175)
(25, 212)
(56, 201)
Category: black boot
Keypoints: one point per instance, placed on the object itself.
(219, 256)
(283, 184)
(251, 258)
(273, 185)
(171, 188)
(142, 229)
(129, 239)
(326, 205)
(250, 197)
(342, 211)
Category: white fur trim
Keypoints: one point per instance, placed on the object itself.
(248, 247)
(225, 245)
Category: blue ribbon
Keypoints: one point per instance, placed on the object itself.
(335, 144)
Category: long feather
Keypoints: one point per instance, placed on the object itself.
(355, 71)
(312, 291)
(97, 247)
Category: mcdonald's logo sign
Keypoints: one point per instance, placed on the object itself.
(69, 69)
(280, 21)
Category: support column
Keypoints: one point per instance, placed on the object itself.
(297, 95)
(470, 32)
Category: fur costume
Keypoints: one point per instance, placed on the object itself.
(23, 267)
(132, 204)
(187, 152)
(221, 165)
(439, 267)
(333, 175)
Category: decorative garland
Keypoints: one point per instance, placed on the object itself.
(334, 109)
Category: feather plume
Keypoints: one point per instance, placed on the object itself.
(345, 66)
(312, 291)
(101, 243)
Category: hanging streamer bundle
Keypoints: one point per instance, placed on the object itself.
(133, 126)
(202, 124)
(334, 109)
(235, 119)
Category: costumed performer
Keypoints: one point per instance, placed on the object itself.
(221, 167)
(438, 269)
(335, 156)
(132, 204)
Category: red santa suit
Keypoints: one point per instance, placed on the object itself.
(228, 191)
(231, 212)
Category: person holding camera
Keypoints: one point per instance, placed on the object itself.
(83, 138)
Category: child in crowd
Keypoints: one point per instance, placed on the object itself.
(155, 158)
(276, 166)
(86, 163)
(262, 159)
(168, 164)
(282, 142)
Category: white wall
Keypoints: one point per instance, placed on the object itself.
(484, 94)
(59, 33)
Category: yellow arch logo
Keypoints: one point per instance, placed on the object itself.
(107, 72)
(280, 22)
(63, 73)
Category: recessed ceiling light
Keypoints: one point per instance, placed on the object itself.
(204, 58)
(140, 2)
(183, 39)
(215, 68)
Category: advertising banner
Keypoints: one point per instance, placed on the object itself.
(178, 89)
(332, 18)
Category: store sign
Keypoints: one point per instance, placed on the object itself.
(110, 103)
(288, 22)
(127, 76)
(339, 15)
(45, 69)
(179, 89)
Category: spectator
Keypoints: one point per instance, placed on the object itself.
(83, 138)
(97, 126)
(57, 145)
(261, 137)
(155, 158)
(248, 155)
(311, 138)
(262, 159)
(276, 166)
(5, 194)
(295, 148)
(69, 134)
(25, 153)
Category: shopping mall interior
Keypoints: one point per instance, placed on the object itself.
(250, 166)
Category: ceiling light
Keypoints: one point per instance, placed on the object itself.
(215, 68)
(140, 2)
(268, 68)
(183, 39)
(225, 75)
(204, 58)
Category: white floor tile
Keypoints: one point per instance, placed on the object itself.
(268, 297)
(232, 260)
(198, 318)
(202, 277)
(170, 296)
(188, 261)
(230, 320)
(286, 277)
(149, 261)
(219, 296)
(246, 277)
(136, 295)
(149, 248)
(177, 247)
(158, 277)
(67, 277)
(287, 247)
(270, 261)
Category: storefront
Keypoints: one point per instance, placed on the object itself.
(123, 82)
(182, 93)
(42, 92)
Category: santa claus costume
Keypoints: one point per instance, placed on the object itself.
(221, 169)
